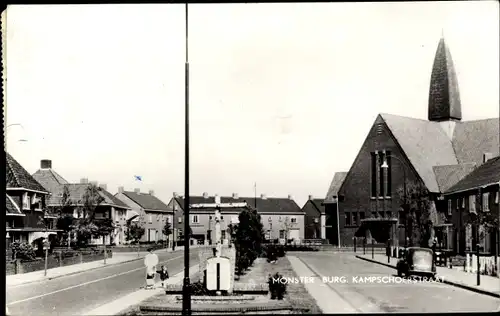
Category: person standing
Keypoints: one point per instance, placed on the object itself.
(150, 261)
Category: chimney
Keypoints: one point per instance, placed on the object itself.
(136, 190)
(176, 195)
(45, 164)
(486, 157)
(94, 183)
(290, 197)
(205, 195)
(103, 186)
(310, 197)
(263, 196)
(235, 196)
(151, 192)
(84, 180)
(217, 199)
(120, 190)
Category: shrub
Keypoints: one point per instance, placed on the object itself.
(198, 288)
(276, 288)
(23, 250)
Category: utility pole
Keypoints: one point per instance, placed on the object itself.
(186, 291)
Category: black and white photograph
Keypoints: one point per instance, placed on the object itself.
(252, 158)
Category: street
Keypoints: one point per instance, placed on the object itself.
(76, 294)
(372, 297)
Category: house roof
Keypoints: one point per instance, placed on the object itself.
(318, 205)
(265, 206)
(49, 179)
(10, 208)
(147, 201)
(427, 145)
(18, 177)
(338, 179)
(77, 192)
(447, 176)
(486, 174)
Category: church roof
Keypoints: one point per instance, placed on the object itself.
(444, 96)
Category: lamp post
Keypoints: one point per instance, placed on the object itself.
(186, 290)
(385, 165)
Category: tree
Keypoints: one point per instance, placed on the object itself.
(249, 235)
(287, 225)
(134, 232)
(65, 220)
(482, 219)
(87, 225)
(167, 231)
(419, 213)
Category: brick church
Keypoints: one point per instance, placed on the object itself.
(436, 153)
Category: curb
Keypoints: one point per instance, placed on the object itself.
(81, 271)
(460, 285)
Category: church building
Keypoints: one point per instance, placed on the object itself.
(435, 153)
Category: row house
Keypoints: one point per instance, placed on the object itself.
(474, 208)
(433, 153)
(26, 215)
(314, 218)
(149, 211)
(110, 207)
(282, 218)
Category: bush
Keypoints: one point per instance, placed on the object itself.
(276, 288)
(198, 288)
(23, 250)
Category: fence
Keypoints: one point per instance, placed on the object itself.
(486, 265)
(55, 260)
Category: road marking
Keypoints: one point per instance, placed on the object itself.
(85, 283)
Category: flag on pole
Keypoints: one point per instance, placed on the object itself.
(138, 178)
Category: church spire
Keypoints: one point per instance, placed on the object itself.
(444, 96)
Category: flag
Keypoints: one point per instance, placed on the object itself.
(138, 178)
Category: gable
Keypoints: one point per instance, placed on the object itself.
(18, 177)
(486, 174)
(333, 190)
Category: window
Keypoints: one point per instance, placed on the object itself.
(179, 220)
(449, 207)
(194, 219)
(210, 217)
(381, 214)
(158, 218)
(374, 175)
(389, 214)
(381, 174)
(458, 204)
(496, 198)
(150, 219)
(348, 219)
(463, 202)
(26, 201)
(280, 219)
(221, 218)
(223, 234)
(354, 220)
(282, 234)
(293, 219)
(472, 203)
(169, 219)
(389, 174)
(374, 214)
(270, 226)
(486, 202)
(269, 219)
(361, 216)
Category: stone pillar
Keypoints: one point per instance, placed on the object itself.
(323, 226)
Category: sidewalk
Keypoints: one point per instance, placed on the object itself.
(134, 298)
(326, 298)
(119, 257)
(489, 285)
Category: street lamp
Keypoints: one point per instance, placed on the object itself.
(385, 165)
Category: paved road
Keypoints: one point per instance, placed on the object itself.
(79, 293)
(392, 297)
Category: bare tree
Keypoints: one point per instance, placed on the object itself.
(65, 220)
(287, 225)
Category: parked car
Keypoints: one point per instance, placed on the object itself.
(418, 262)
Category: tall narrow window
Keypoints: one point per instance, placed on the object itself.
(389, 174)
(347, 219)
(354, 221)
(449, 207)
(486, 202)
(381, 174)
(472, 203)
(374, 175)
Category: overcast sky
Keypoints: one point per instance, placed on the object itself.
(280, 94)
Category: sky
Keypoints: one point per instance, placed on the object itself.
(281, 95)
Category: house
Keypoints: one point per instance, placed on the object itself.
(280, 216)
(111, 207)
(332, 232)
(435, 153)
(475, 195)
(26, 216)
(314, 218)
(149, 211)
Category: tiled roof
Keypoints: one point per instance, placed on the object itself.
(447, 176)
(147, 201)
(318, 203)
(487, 173)
(49, 178)
(425, 143)
(267, 205)
(472, 139)
(18, 177)
(10, 208)
(338, 179)
(77, 191)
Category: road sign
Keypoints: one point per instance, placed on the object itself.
(46, 245)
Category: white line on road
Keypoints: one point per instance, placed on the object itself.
(85, 283)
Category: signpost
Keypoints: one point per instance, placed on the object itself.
(46, 246)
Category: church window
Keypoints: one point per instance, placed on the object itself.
(389, 174)
(381, 174)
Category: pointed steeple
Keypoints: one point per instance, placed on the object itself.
(444, 96)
